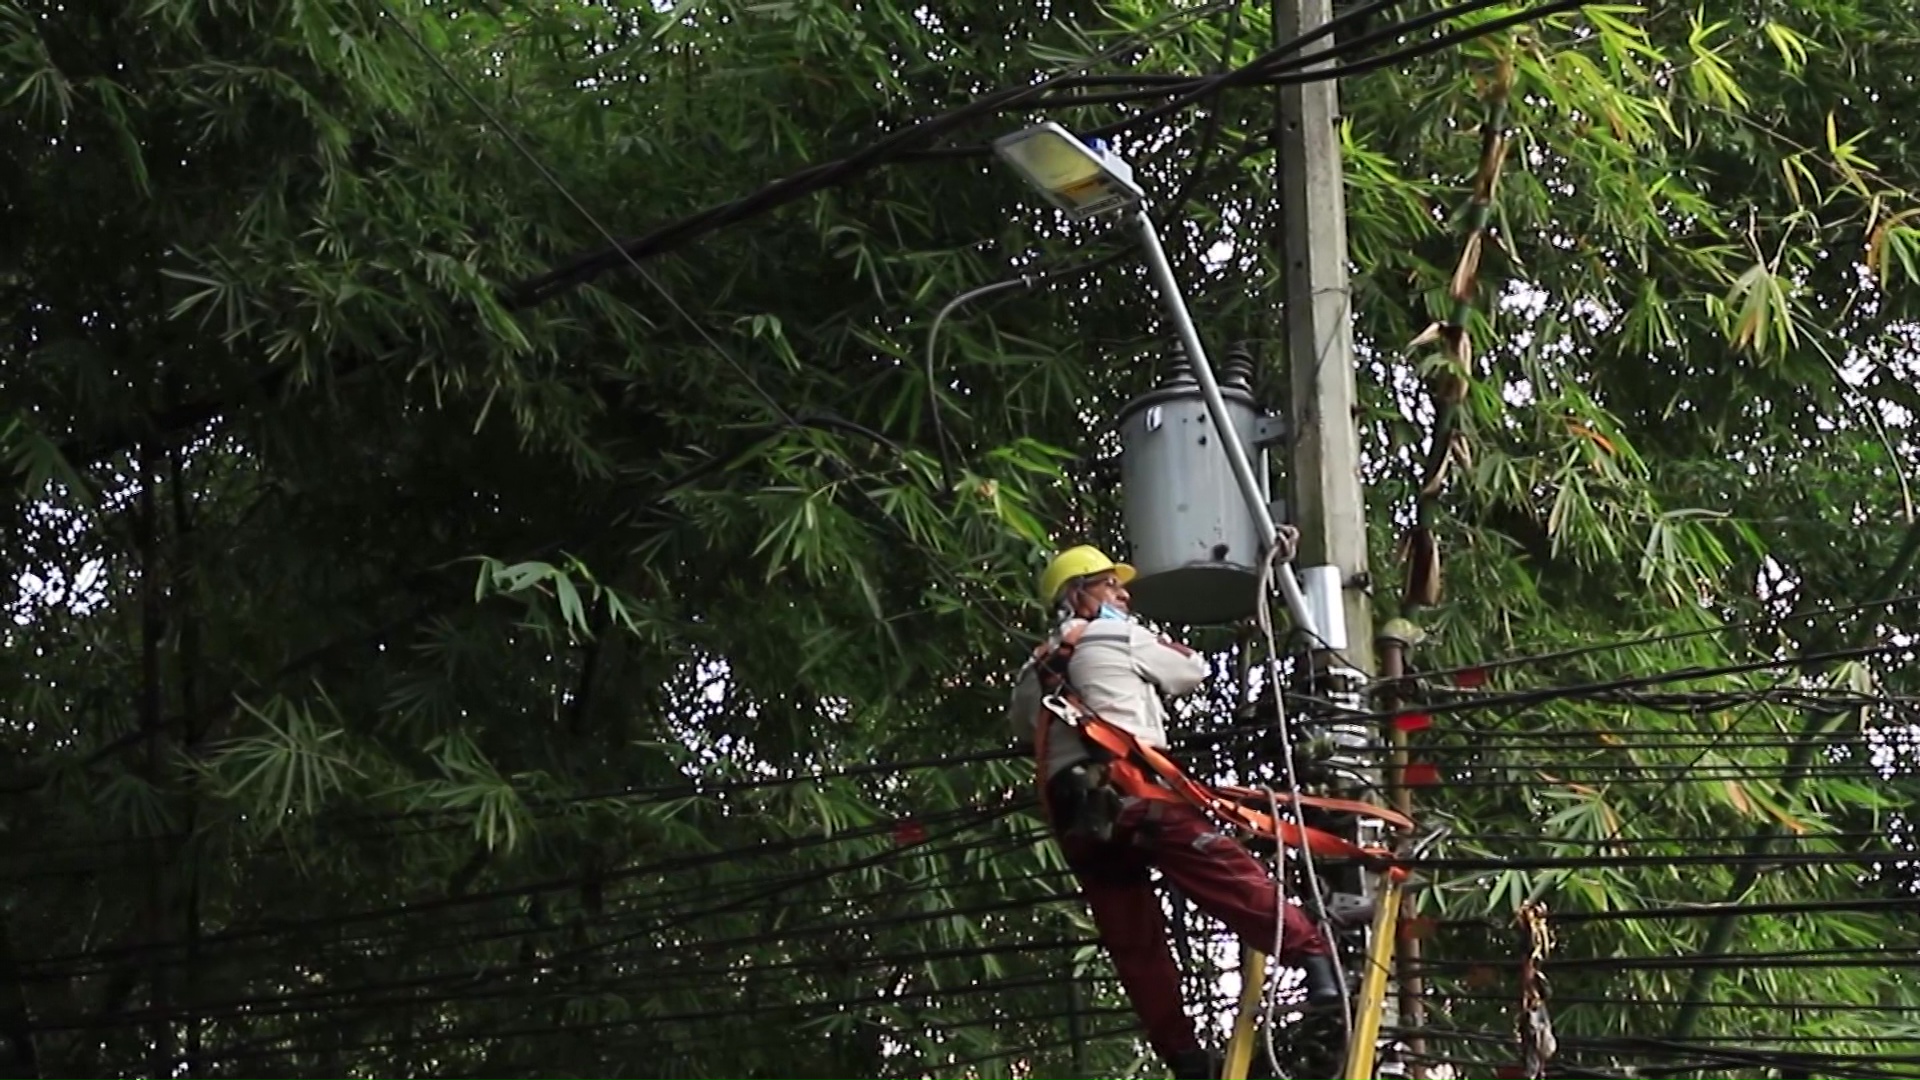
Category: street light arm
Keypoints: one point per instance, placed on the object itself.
(1229, 438)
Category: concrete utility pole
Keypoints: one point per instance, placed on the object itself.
(1329, 502)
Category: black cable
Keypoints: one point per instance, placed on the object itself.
(519, 926)
(494, 972)
(897, 1069)
(640, 796)
(1643, 841)
(1268, 69)
(39, 966)
(1620, 862)
(1769, 1005)
(1287, 73)
(1776, 860)
(477, 1038)
(1782, 773)
(1699, 911)
(460, 986)
(1674, 773)
(1764, 621)
(441, 904)
(1466, 703)
(1578, 1041)
(1831, 959)
(1759, 741)
(1695, 1055)
(808, 180)
(1505, 700)
(1769, 959)
(703, 788)
(1519, 699)
(1617, 738)
(1203, 738)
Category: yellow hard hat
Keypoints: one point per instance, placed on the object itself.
(1076, 562)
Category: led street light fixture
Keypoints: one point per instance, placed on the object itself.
(1083, 180)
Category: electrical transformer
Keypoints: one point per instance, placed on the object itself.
(1193, 538)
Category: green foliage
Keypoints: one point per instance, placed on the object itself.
(403, 680)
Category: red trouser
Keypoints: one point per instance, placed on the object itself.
(1211, 869)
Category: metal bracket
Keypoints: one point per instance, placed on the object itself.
(1271, 431)
(1326, 605)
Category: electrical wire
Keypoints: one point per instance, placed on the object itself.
(822, 175)
(1279, 554)
(897, 1067)
(1463, 703)
(465, 990)
(1645, 841)
(1289, 73)
(1621, 862)
(1269, 69)
(649, 795)
(1805, 614)
(1023, 281)
(976, 814)
(637, 796)
(229, 938)
(1667, 861)
(519, 926)
(1694, 1056)
(1872, 1008)
(779, 410)
(1709, 910)
(733, 1014)
(641, 796)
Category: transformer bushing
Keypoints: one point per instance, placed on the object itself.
(1194, 540)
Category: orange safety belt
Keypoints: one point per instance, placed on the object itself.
(1132, 762)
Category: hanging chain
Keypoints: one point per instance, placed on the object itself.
(1534, 1025)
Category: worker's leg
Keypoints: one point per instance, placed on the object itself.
(1229, 884)
(1114, 878)
(1226, 882)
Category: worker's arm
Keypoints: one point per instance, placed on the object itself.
(1166, 663)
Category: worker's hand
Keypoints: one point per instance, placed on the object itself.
(1175, 646)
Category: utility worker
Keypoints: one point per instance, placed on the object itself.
(1111, 839)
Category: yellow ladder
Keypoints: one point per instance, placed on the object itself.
(1368, 1005)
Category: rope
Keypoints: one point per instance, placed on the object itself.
(1279, 935)
(1285, 543)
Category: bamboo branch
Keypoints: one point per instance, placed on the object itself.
(1799, 758)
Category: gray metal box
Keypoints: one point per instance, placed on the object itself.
(1193, 539)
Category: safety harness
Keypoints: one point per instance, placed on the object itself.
(1134, 770)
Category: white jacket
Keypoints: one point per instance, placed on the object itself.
(1120, 669)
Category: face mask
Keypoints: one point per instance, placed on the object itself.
(1108, 611)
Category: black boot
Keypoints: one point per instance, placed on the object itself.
(1320, 1046)
(1323, 981)
(1194, 1064)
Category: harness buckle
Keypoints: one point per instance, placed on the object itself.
(1062, 709)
